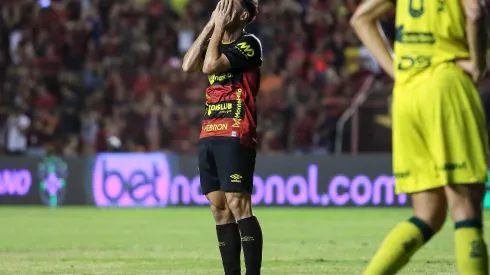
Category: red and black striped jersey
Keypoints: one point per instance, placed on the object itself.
(231, 95)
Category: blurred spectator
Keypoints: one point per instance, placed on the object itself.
(15, 129)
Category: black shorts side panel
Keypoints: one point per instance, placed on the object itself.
(207, 169)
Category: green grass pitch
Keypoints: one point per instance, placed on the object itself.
(173, 241)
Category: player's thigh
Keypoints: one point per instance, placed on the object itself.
(455, 127)
(208, 171)
(411, 159)
(431, 207)
(235, 164)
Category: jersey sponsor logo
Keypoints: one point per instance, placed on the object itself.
(224, 109)
(215, 127)
(404, 37)
(420, 62)
(238, 113)
(245, 49)
(219, 78)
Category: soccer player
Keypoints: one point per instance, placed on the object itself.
(232, 59)
(439, 136)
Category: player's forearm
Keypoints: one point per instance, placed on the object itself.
(364, 22)
(476, 33)
(212, 53)
(193, 59)
(374, 40)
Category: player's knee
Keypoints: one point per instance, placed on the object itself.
(465, 201)
(219, 207)
(222, 214)
(465, 208)
(240, 205)
(434, 219)
(431, 207)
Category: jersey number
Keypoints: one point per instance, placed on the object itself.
(416, 12)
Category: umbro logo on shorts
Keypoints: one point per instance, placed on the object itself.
(236, 178)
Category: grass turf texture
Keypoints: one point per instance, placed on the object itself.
(35, 241)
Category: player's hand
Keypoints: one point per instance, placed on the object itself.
(472, 70)
(224, 13)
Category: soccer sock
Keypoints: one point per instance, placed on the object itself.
(471, 251)
(252, 244)
(397, 248)
(229, 247)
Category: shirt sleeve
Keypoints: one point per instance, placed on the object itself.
(244, 53)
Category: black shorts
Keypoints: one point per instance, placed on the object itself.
(226, 165)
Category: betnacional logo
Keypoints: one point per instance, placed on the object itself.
(146, 180)
(131, 180)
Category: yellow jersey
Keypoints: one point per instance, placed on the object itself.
(428, 33)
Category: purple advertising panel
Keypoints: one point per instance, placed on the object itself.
(48, 181)
(157, 180)
(128, 180)
(15, 182)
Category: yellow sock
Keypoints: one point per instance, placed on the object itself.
(397, 248)
(471, 251)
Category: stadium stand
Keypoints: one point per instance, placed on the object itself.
(99, 75)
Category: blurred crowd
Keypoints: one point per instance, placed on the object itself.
(86, 76)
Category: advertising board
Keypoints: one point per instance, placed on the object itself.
(160, 180)
(49, 181)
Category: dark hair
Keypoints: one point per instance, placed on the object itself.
(252, 7)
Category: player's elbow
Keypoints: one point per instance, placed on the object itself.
(209, 68)
(187, 68)
(358, 20)
(353, 22)
(473, 10)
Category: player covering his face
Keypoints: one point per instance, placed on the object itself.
(227, 156)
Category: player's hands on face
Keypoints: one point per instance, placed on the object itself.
(224, 13)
